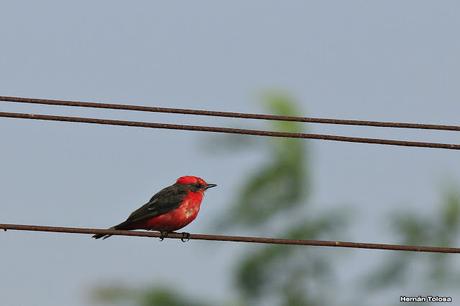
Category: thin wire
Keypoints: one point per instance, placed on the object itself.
(262, 240)
(214, 129)
(199, 112)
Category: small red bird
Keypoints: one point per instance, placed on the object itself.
(170, 209)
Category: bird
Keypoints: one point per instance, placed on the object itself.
(171, 209)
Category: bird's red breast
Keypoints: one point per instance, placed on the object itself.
(176, 218)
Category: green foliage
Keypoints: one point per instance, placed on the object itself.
(277, 192)
(279, 184)
(286, 273)
(154, 296)
(441, 229)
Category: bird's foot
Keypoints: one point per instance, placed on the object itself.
(185, 237)
(163, 235)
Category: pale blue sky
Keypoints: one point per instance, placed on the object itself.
(377, 60)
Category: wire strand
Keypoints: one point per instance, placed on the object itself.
(214, 129)
(246, 239)
(199, 112)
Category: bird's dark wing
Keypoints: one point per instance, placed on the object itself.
(164, 201)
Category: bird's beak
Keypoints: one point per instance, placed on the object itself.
(210, 186)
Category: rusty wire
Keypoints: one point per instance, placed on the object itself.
(231, 114)
(246, 239)
(214, 129)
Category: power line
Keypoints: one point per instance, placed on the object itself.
(199, 112)
(214, 129)
(262, 240)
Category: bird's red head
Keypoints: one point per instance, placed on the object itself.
(197, 183)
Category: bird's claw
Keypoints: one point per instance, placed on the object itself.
(185, 237)
(163, 235)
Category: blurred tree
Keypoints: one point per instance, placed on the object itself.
(154, 296)
(430, 272)
(282, 182)
(275, 195)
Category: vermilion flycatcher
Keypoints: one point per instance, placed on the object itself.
(170, 209)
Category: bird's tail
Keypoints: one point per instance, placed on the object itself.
(121, 226)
